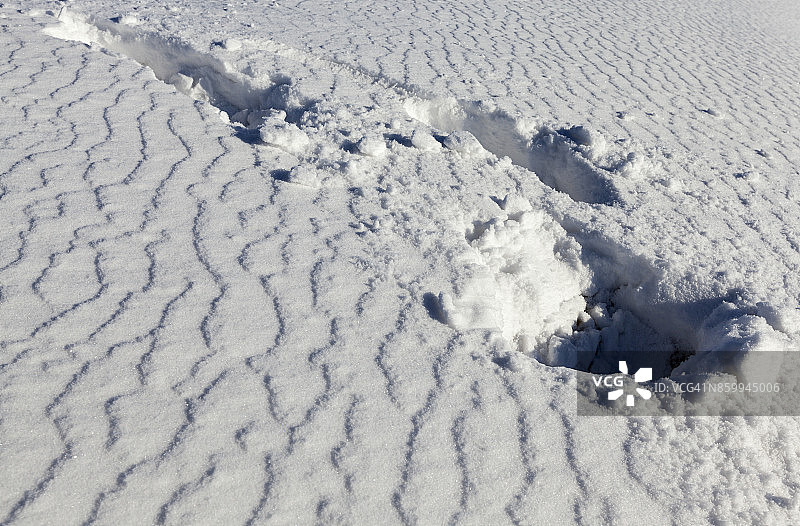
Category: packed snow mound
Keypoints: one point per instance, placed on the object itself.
(524, 278)
(372, 146)
(423, 140)
(466, 144)
(275, 131)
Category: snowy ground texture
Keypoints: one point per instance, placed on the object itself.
(326, 262)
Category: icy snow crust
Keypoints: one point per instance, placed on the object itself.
(343, 273)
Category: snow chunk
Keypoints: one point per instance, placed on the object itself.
(129, 20)
(255, 118)
(636, 166)
(424, 141)
(562, 351)
(466, 144)
(600, 316)
(181, 82)
(443, 113)
(786, 320)
(750, 176)
(372, 146)
(281, 134)
(672, 184)
(305, 175)
(523, 279)
(232, 44)
(188, 86)
(585, 321)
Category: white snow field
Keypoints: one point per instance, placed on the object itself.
(293, 262)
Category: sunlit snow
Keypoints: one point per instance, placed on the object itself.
(290, 262)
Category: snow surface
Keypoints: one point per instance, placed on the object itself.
(292, 262)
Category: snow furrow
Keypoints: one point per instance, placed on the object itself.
(418, 420)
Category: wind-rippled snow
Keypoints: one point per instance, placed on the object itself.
(293, 262)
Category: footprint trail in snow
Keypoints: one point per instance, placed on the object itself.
(337, 291)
